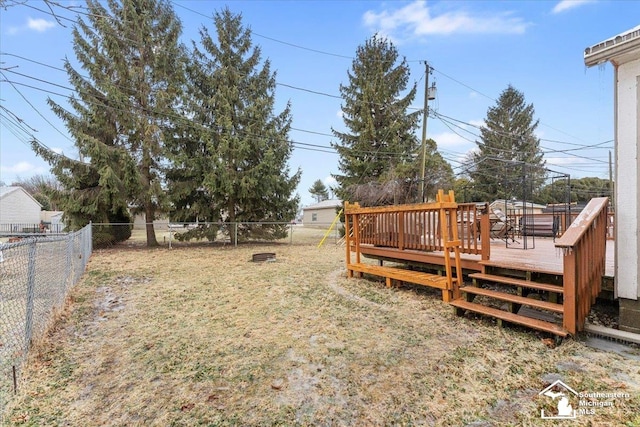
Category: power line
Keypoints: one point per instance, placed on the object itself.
(34, 108)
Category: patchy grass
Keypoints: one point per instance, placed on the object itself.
(198, 335)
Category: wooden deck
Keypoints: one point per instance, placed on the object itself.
(545, 257)
(563, 276)
(542, 257)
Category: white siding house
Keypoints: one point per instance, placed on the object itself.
(623, 52)
(321, 214)
(18, 208)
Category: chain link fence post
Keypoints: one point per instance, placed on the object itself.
(31, 284)
(236, 233)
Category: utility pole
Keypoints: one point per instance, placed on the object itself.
(424, 129)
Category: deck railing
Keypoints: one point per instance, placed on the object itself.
(541, 223)
(584, 247)
(417, 227)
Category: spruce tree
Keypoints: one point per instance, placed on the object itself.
(509, 162)
(319, 191)
(131, 54)
(230, 165)
(381, 133)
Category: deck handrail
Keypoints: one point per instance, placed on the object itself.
(420, 227)
(584, 248)
(416, 226)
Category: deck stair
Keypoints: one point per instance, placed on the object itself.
(506, 296)
(403, 275)
(444, 216)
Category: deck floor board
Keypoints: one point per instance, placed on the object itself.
(541, 255)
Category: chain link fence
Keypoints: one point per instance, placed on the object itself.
(36, 274)
(174, 234)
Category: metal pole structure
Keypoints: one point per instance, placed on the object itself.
(611, 192)
(424, 129)
(31, 285)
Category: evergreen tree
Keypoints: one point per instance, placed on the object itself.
(509, 162)
(231, 164)
(380, 136)
(38, 186)
(579, 190)
(131, 54)
(319, 191)
(438, 174)
(85, 197)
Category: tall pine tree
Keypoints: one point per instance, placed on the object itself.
(509, 162)
(380, 137)
(133, 59)
(230, 165)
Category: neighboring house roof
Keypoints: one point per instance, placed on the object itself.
(517, 204)
(621, 47)
(5, 191)
(325, 204)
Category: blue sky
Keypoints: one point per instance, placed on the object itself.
(476, 49)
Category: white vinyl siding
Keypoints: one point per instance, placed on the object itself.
(18, 207)
(627, 197)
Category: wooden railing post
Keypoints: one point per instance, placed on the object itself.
(569, 303)
(356, 237)
(400, 230)
(347, 238)
(485, 236)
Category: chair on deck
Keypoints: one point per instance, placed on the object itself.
(501, 226)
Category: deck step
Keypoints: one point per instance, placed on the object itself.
(404, 275)
(503, 296)
(518, 282)
(521, 267)
(511, 317)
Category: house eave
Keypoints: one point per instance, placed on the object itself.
(615, 49)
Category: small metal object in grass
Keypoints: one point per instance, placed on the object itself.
(264, 256)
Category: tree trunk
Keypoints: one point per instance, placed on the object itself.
(149, 211)
(151, 232)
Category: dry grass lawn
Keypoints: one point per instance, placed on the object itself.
(198, 335)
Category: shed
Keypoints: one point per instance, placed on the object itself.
(623, 51)
(18, 209)
(321, 214)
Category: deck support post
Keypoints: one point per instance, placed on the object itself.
(569, 297)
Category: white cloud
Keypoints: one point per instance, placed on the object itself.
(448, 140)
(330, 181)
(565, 5)
(20, 167)
(416, 20)
(339, 114)
(478, 123)
(56, 150)
(40, 25)
(564, 161)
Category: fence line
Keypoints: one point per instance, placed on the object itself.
(19, 229)
(36, 275)
(225, 232)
